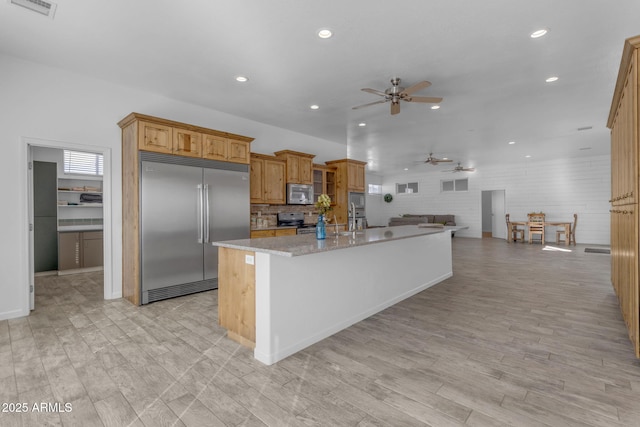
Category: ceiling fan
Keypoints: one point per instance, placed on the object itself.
(434, 160)
(397, 93)
(459, 168)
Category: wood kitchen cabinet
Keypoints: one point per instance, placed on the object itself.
(299, 166)
(324, 182)
(267, 175)
(181, 139)
(355, 172)
(155, 137)
(80, 249)
(273, 232)
(226, 149)
(187, 143)
(350, 177)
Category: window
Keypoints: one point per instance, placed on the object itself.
(410, 187)
(375, 189)
(454, 185)
(80, 162)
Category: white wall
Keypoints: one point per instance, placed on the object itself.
(559, 188)
(50, 104)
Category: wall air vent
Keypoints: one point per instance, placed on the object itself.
(43, 7)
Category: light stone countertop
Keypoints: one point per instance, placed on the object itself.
(71, 228)
(307, 244)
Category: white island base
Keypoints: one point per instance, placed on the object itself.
(300, 300)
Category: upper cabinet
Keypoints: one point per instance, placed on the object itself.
(169, 137)
(226, 149)
(324, 182)
(267, 174)
(299, 166)
(355, 172)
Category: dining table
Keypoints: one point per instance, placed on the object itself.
(565, 224)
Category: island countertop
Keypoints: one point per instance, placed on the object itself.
(307, 244)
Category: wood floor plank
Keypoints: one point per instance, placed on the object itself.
(518, 336)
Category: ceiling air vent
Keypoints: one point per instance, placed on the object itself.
(43, 7)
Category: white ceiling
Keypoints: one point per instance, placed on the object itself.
(477, 54)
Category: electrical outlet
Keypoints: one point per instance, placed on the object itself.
(248, 259)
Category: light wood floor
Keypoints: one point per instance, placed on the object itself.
(518, 336)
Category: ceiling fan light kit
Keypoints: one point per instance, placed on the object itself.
(397, 93)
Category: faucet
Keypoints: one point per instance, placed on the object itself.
(335, 223)
(352, 226)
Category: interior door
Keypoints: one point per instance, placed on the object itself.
(171, 253)
(228, 209)
(498, 214)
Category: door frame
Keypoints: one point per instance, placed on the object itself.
(498, 222)
(28, 144)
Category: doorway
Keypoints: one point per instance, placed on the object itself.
(493, 214)
(34, 217)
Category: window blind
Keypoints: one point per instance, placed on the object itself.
(83, 163)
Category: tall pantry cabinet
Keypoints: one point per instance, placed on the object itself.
(624, 122)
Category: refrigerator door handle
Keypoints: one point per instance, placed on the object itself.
(206, 213)
(200, 212)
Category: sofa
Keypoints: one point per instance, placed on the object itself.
(413, 219)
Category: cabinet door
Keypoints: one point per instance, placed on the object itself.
(274, 188)
(305, 168)
(256, 182)
(92, 252)
(293, 169)
(215, 147)
(238, 151)
(153, 137)
(330, 185)
(187, 143)
(318, 183)
(355, 177)
(69, 251)
(286, 232)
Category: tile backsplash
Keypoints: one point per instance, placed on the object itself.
(269, 213)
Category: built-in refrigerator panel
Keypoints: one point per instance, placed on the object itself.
(228, 208)
(185, 204)
(171, 252)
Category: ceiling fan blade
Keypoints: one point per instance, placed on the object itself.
(416, 87)
(373, 91)
(395, 108)
(428, 99)
(371, 103)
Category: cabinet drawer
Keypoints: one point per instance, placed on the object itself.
(256, 234)
(87, 235)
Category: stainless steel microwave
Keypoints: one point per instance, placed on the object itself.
(299, 194)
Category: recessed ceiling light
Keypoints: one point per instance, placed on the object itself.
(325, 33)
(538, 33)
(242, 79)
(362, 124)
(406, 169)
(528, 156)
(551, 79)
(445, 158)
(511, 142)
(435, 107)
(314, 107)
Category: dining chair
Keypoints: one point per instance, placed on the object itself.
(572, 235)
(536, 226)
(513, 232)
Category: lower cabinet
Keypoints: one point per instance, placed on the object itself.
(272, 232)
(80, 249)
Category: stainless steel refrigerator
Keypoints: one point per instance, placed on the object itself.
(185, 205)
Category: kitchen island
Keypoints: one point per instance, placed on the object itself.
(282, 294)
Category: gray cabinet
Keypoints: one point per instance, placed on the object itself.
(80, 249)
